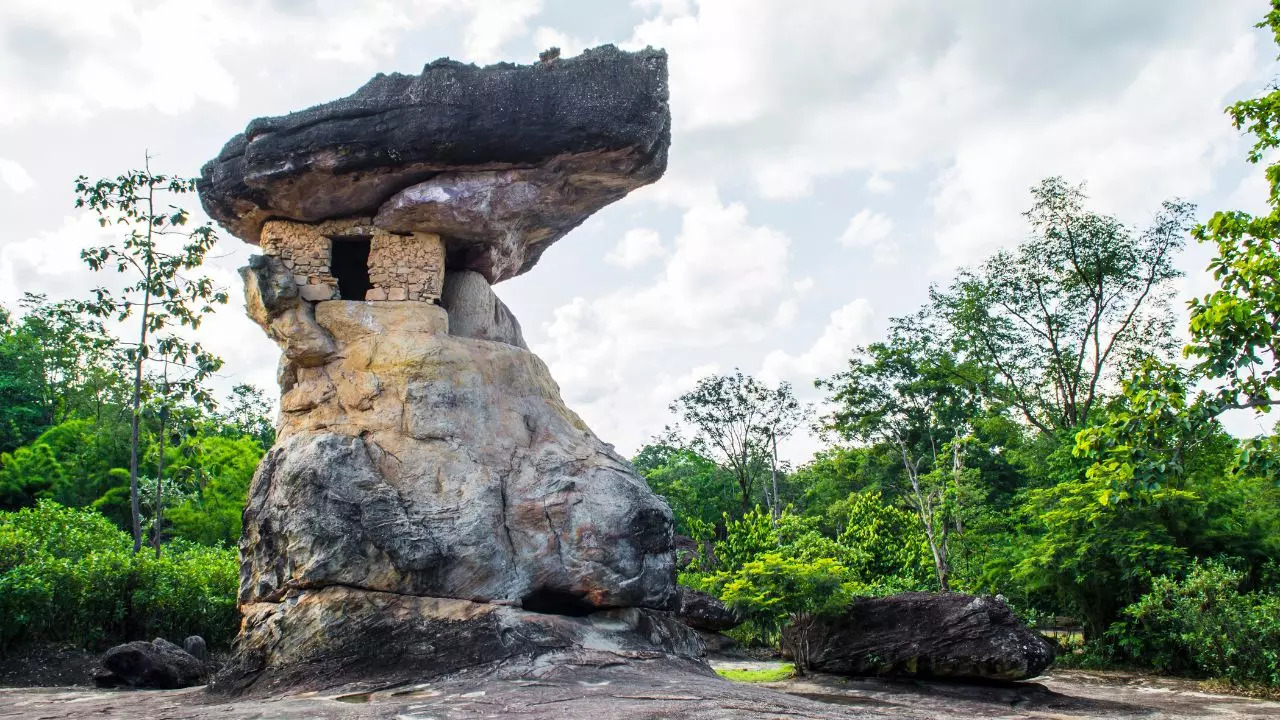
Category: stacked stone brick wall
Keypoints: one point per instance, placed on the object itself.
(406, 267)
(305, 251)
(401, 267)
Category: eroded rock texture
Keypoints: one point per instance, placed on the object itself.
(431, 506)
(421, 463)
(929, 635)
(422, 482)
(501, 161)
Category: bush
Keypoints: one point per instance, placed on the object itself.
(70, 576)
(1203, 625)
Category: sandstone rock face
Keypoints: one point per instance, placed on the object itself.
(501, 161)
(431, 506)
(927, 635)
(475, 312)
(421, 463)
(418, 472)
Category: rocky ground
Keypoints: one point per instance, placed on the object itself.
(631, 693)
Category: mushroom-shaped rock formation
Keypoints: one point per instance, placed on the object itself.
(431, 506)
(499, 161)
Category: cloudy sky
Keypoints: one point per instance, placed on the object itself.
(830, 159)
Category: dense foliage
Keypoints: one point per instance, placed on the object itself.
(71, 576)
(101, 438)
(1031, 432)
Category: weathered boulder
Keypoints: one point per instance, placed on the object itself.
(414, 465)
(686, 549)
(274, 301)
(501, 161)
(155, 664)
(337, 636)
(702, 611)
(196, 648)
(927, 635)
(423, 463)
(476, 312)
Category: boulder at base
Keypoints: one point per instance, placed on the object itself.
(701, 611)
(157, 664)
(927, 635)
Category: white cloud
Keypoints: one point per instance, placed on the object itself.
(848, 327)
(493, 24)
(871, 230)
(15, 176)
(724, 282)
(879, 184)
(637, 247)
(1172, 143)
(79, 57)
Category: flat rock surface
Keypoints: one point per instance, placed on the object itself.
(635, 694)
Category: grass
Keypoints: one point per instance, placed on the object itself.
(775, 674)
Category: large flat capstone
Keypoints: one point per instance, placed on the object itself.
(501, 161)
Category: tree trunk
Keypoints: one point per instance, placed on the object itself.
(925, 511)
(777, 511)
(134, 504)
(957, 469)
(801, 624)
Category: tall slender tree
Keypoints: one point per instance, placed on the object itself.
(157, 251)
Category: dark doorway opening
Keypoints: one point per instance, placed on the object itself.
(556, 602)
(349, 263)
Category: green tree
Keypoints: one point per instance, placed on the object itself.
(1094, 558)
(21, 411)
(738, 420)
(910, 394)
(777, 592)
(26, 475)
(217, 471)
(890, 552)
(159, 295)
(72, 355)
(1057, 319)
(87, 450)
(1235, 330)
(698, 490)
(246, 411)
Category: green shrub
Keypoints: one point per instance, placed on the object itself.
(1203, 625)
(69, 575)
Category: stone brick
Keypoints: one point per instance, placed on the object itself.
(316, 293)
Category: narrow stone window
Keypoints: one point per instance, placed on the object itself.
(349, 263)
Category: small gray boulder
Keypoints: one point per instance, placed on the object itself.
(195, 646)
(158, 664)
